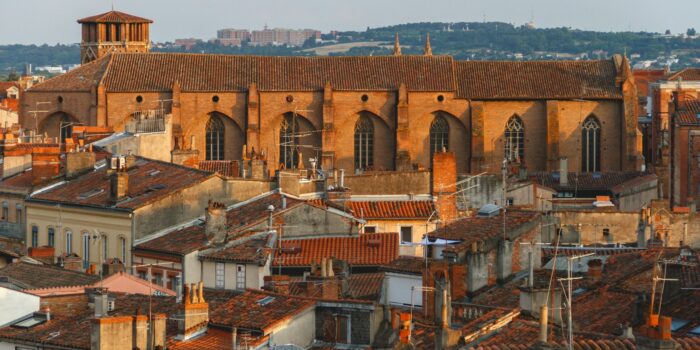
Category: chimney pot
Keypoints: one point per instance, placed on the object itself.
(215, 223)
(563, 172)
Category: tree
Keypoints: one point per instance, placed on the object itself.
(13, 76)
(668, 32)
(691, 32)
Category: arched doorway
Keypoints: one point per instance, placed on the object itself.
(58, 124)
(299, 141)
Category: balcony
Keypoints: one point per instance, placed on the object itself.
(146, 122)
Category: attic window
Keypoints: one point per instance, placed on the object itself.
(441, 98)
(266, 300)
(215, 98)
(91, 193)
(139, 98)
(364, 98)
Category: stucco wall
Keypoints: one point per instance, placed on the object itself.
(621, 225)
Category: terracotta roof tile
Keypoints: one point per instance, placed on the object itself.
(688, 74)
(586, 181)
(604, 310)
(114, 17)
(406, 264)
(214, 339)
(253, 250)
(496, 80)
(365, 250)
(30, 276)
(228, 168)
(181, 242)
(149, 180)
(391, 209)
(361, 286)
(689, 112)
(198, 72)
(473, 228)
(83, 78)
(247, 311)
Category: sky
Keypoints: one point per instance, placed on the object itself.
(54, 21)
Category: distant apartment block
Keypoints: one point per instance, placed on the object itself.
(232, 37)
(188, 43)
(276, 36)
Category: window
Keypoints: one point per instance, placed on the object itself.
(439, 135)
(215, 138)
(289, 141)
(142, 275)
(590, 145)
(370, 229)
(86, 250)
(510, 201)
(69, 242)
(105, 248)
(220, 277)
(240, 276)
(122, 244)
(5, 212)
(364, 143)
(515, 140)
(342, 329)
(51, 233)
(406, 234)
(18, 212)
(35, 236)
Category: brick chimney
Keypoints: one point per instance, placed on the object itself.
(444, 185)
(195, 312)
(595, 270)
(277, 283)
(78, 163)
(46, 164)
(118, 185)
(215, 223)
(656, 334)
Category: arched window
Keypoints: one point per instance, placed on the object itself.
(590, 145)
(122, 246)
(51, 233)
(105, 248)
(69, 242)
(35, 236)
(515, 140)
(86, 250)
(439, 135)
(364, 143)
(289, 141)
(215, 138)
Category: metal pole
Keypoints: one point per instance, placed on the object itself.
(570, 322)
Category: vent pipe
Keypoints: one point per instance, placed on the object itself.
(544, 314)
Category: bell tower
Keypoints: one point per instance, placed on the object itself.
(113, 31)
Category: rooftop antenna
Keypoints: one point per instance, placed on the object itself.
(569, 279)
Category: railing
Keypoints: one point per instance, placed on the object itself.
(11, 229)
(151, 121)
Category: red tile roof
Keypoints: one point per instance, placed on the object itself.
(505, 80)
(469, 79)
(245, 250)
(604, 310)
(689, 112)
(149, 180)
(406, 264)
(31, 276)
(180, 242)
(246, 311)
(474, 229)
(114, 17)
(83, 78)
(391, 209)
(687, 74)
(200, 72)
(365, 250)
(214, 339)
(228, 168)
(587, 181)
(361, 286)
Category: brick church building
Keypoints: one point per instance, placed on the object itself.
(361, 113)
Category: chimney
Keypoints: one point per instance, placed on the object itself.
(444, 184)
(119, 185)
(157, 335)
(563, 172)
(215, 223)
(195, 312)
(504, 260)
(78, 163)
(46, 163)
(270, 209)
(277, 283)
(595, 270)
(111, 333)
(101, 304)
(342, 178)
(405, 327)
(139, 332)
(544, 316)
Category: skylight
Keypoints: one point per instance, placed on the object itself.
(266, 300)
(677, 324)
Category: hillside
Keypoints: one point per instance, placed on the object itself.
(475, 41)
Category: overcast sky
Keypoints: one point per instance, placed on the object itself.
(54, 21)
